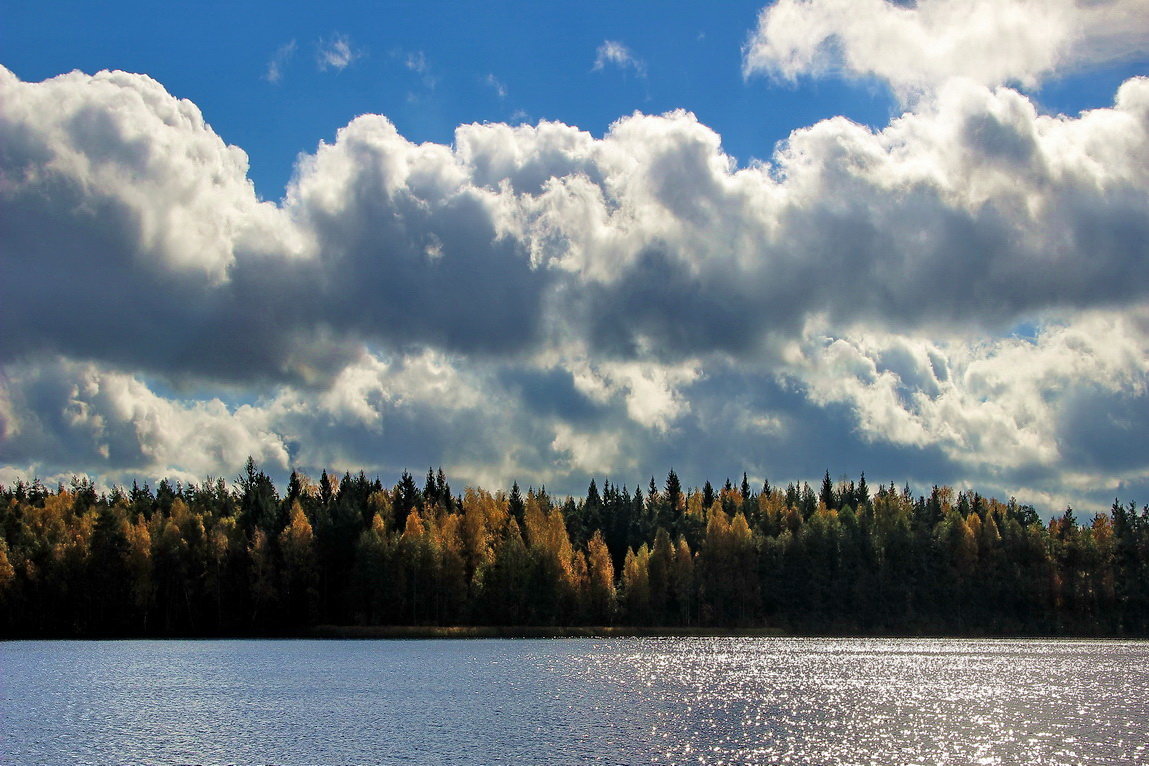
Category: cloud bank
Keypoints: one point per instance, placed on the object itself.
(961, 296)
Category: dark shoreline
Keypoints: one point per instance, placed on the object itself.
(631, 631)
(404, 632)
(532, 631)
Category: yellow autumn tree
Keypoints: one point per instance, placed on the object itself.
(139, 565)
(450, 586)
(636, 586)
(502, 595)
(226, 570)
(600, 576)
(682, 581)
(378, 585)
(7, 571)
(483, 518)
(264, 593)
(570, 579)
(300, 574)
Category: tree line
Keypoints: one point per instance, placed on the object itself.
(243, 559)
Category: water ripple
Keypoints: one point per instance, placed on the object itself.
(616, 701)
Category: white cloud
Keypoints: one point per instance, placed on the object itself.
(278, 62)
(590, 453)
(974, 188)
(336, 52)
(115, 152)
(995, 405)
(416, 62)
(916, 47)
(93, 419)
(566, 300)
(614, 53)
(651, 393)
(497, 85)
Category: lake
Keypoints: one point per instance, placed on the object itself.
(641, 700)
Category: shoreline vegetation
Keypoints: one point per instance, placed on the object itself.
(524, 632)
(532, 631)
(399, 632)
(352, 558)
(516, 632)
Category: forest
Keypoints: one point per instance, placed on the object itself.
(216, 559)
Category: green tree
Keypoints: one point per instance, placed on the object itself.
(661, 567)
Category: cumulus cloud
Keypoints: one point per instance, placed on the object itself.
(384, 412)
(568, 301)
(1036, 414)
(918, 46)
(80, 417)
(650, 239)
(123, 205)
(995, 402)
(614, 53)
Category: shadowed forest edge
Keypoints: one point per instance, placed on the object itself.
(209, 559)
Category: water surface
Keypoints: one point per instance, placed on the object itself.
(680, 700)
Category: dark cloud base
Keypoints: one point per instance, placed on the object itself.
(429, 304)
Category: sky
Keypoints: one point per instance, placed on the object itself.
(545, 242)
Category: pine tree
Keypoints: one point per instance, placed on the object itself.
(515, 505)
(826, 496)
(407, 499)
(707, 495)
(862, 492)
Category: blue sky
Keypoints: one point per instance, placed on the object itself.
(544, 305)
(430, 66)
(479, 61)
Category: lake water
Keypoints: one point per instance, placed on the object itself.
(702, 700)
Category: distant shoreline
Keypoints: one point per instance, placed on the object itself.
(404, 632)
(630, 631)
(531, 631)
